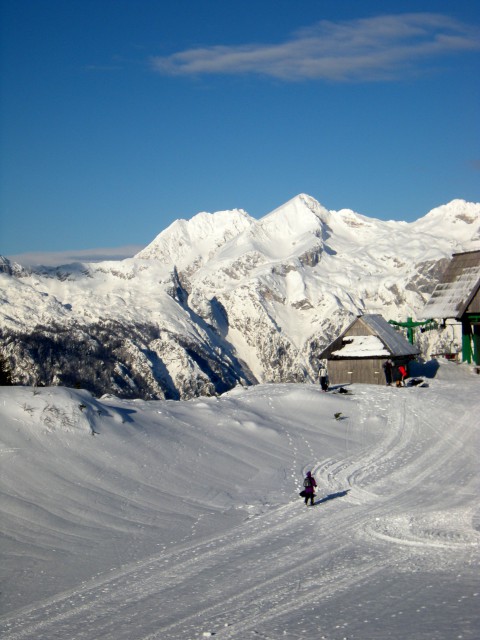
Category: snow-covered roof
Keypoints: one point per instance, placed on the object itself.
(362, 347)
(393, 340)
(370, 336)
(459, 284)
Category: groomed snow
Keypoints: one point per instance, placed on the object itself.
(182, 520)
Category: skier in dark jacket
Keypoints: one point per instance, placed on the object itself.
(309, 485)
(388, 368)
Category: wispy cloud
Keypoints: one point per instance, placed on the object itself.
(58, 258)
(379, 48)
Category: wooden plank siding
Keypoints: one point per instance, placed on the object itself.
(363, 370)
(359, 328)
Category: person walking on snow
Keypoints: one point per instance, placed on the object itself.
(309, 487)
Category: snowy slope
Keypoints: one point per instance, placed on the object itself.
(455, 219)
(181, 520)
(224, 298)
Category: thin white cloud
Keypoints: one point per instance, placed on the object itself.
(379, 48)
(58, 258)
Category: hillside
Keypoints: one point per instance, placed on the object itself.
(181, 520)
(224, 299)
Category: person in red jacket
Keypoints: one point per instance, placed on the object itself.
(402, 370)
(309, 485)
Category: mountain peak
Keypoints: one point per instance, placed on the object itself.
(458, 218)
(300, 205)
(288, 230)
(301, 214)
(186, 241)
(456, 210)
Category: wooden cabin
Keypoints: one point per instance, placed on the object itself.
(457, 298)
(359, 353)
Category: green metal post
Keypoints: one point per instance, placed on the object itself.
(466, 342)
(410, 326)
(476, 344)
(410, 330)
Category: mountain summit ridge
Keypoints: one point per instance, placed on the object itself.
(224, 298)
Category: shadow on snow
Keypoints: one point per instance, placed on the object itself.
(332, 496)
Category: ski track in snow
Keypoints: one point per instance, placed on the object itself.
(382, 518)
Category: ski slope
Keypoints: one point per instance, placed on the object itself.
(134, 520)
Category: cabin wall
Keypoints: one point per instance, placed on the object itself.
(366, 371)
(359, 328)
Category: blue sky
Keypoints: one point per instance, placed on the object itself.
(120, 116)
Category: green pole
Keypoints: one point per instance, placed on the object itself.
(410, 326)
(410, 330)
(476, 344)
(466, 342)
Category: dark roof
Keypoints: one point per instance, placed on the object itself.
(458, 286)
(391, 338)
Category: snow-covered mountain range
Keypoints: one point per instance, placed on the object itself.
(223, 299)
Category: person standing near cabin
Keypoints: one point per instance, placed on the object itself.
(388, 369)
(323, 377)
(402, 370)
(309, 485)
